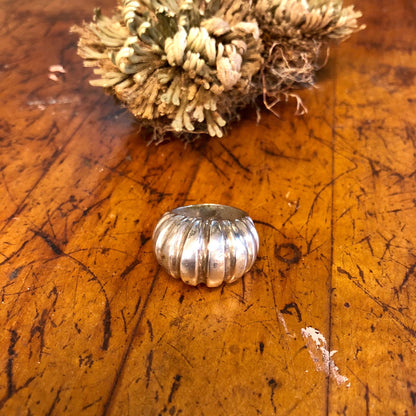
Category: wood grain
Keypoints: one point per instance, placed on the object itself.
(89, 322)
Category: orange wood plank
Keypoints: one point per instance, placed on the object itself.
(91, 324)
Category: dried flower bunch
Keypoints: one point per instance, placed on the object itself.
(296, 33)
(189, 66)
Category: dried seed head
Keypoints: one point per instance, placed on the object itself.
(179, 65)
(188, 66)
(296, 35)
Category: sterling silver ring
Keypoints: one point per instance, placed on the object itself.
(206, 243)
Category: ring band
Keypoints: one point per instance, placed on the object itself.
(206, 243)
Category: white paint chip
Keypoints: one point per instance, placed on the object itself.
(53, 77)
(57, 68)
(321, 356)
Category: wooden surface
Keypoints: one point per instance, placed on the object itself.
(90, 325)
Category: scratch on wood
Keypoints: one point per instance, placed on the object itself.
(54, 403)
(273, 386)
(11, 386)
(293, 306)
(87, 406)
(181, 354)
(107, 404)
(235, 158)
(49, 242)
(383, 305)
(149, 326)
(410, 271)
(124, 321)
(149, 360)
(9, 369)
(129, 268)
(40, 330)
(175, 386)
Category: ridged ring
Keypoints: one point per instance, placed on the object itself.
(206, 243)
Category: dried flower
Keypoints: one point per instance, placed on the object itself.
(189, 66)
(183, 66)
(296, 33)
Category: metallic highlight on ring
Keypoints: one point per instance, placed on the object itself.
(206, 243)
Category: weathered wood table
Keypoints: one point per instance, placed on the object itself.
(324, 324)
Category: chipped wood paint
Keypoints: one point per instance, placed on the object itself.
(321, 355)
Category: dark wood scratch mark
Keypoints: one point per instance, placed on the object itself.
(14, 254)
(46, 168)
(273, 386)
(136, 308)
(293, 213)
(288, 307)
(149, 360)
(326, 186)
(410, 271)
(144, 239)
(413, 398)
(129, 268)
(386, 308)
(6, 186)
(367, 401)
(216, 167)
(364, 384)
(50, 223)
(40, 330)
(54, 403)
(367, 240)
(149, 326)
(266, 224)
(248, 307)
(86, 361)
(146, 187)
(54, 247)
(87, 210)
(279, 154)
(107, 404)
(87, 406)
(235, 158)
(181, 354)
(107, 309)
(374, 171)
(175, 386)
(309, 243)
(11, 386)
(124, 321)
(361, 273)
(388, 243)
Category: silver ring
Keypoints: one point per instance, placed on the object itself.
(206, 243)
